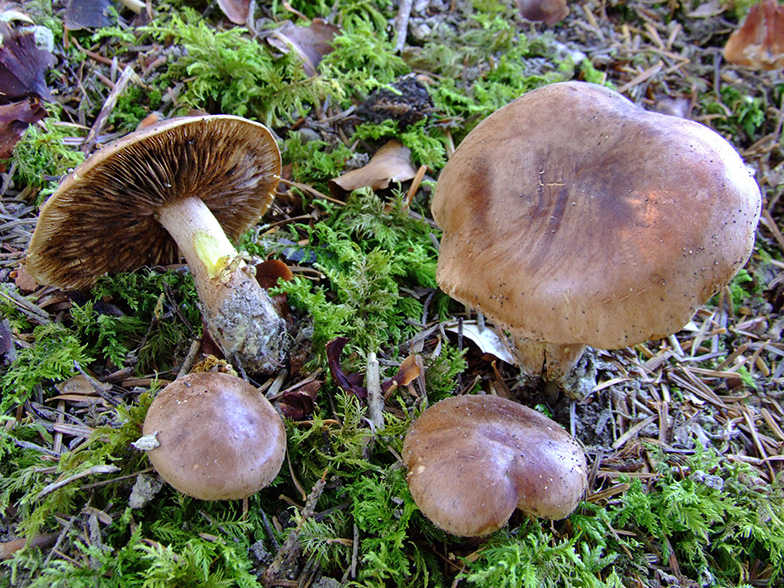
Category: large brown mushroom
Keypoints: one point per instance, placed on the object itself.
(176, 185)
(472, 460)
(218, 437)
(572, 217)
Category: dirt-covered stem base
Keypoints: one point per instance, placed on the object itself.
(236, 309)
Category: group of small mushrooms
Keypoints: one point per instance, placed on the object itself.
(186, 187)
(570, 217)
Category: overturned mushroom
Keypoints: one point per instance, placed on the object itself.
(218, 437)
(572, 217)
(177, 184)
(472, 460)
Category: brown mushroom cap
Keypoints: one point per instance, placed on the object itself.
(473, 459)
(102, 218)
(220, 438)
(572, 216)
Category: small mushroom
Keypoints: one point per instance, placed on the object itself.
(218, 437)
(472, 460)
(176, 184)
(572, 217)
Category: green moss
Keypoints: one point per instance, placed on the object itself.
(383, 511)
(738, 116)
(717, 517)
(368, 253)
(227, 72)
(535, 558)
(41, 156)
(133, 105)
(313, 162)
(51, 357)
(363, 59)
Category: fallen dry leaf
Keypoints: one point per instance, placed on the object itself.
(298, 404)
(237, 11)
(87, 14)
(391, 163)
(22, 66)
(486, 339)
(311, 43)
(23, 280)
(22, 85)
(546, 11)
(759, 42)
(14, 120)
(352, 383)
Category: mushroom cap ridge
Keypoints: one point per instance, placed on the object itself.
(102, 217)
(472, 460)
(573, 216)
(219, 437)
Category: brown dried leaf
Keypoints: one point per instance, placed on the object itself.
(9, 548)
(311, 43)
(87, 14)
(759, 42)
(237, 11)
(351, 382)
(391, 163)
(22, 66)
(298, 404)
(546, 11)
(14, 120)
(407, 373)
(23, 280)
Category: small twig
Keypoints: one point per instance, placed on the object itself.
(9, 548)
(190, 359)
(37, 315)
(633, 432)
(97, 469)
(291, 546)
(375, 397)
(312, 191)
(401, 24)
(106, 109)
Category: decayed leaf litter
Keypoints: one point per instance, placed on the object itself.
(632, 402)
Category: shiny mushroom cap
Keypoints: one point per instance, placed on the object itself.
(103, 217)
(472, 460)
(219, 438)
(572, 216)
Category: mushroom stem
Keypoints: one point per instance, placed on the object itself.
(237, 310)
(554, 361)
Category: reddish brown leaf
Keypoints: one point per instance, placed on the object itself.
(22, 66)
(14, 119)
(350, 383)
(298, 404)
(408, 371)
